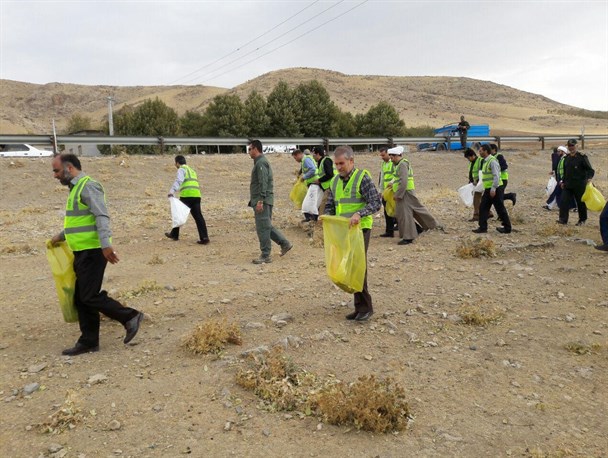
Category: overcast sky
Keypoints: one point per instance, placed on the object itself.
(558, 49)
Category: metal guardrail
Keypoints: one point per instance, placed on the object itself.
(48, 140)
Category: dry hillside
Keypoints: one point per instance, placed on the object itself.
(435, 101)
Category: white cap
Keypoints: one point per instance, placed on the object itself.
(563, 149)
(396, 151)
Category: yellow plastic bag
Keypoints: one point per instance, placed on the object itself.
(593, 198)
(344, 253)
(61, 260)
(298, 193)
(389, 197)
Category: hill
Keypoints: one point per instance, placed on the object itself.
(420, 100)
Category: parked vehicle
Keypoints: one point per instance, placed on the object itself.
(23, 150)
(451, 130)
(268, 149)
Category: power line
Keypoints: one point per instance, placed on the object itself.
(243, 46)
(264, 45)
(285, 44)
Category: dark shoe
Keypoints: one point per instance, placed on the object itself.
(352, 316)
(503, 230)
(79, 349)
(387, 234)
(580, 223)
(559, 221)
(479, 230)
(603, 247)
(203, 242)
(285, 249)
(168, 235)
(514, 198)
(262, 260)
(132, 326)
(546, 207)
(474, 219)
(364, 316)
(305, 220)
(404, 242)
(574, 210)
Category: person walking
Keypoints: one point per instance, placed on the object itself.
(408, 209)
(603, 229)
(474, 168)
(354, 196)
(387, 175)
(86, 229)
(492, 194)
(463, 131)
(557, 171)
(577, 173)
(261, 199)
(189, 189)
(310, 174)
(325, 168)
(504, 174)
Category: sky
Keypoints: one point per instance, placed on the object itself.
(558, 49)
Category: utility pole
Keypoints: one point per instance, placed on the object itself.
(110, 118)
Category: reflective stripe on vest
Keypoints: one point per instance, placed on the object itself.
(388, 173)
(190, 186)
(504, 174)
(410, 177)
(321, 173)
(486, 173)
(79, 224)
(305, 170)
(348, 198)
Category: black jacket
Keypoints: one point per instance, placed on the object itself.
(577, 170)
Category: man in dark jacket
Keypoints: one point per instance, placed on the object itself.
(577, 173)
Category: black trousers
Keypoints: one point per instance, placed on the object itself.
(565, 204)
(486, 203)
(363, 300)
(390, 220)
(89, 300)
(194, 204)
(506, 195)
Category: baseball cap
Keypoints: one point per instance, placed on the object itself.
(572, 142)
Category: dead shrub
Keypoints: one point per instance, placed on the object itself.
(66, 417)
(475, 316)
(476, 248)
(555, 229)
(368, 404)
(156, 260)
(18, 249)
(147, 286)
(212, 337)
(581, 348)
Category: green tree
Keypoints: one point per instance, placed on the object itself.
(281, 110)
(345, 125)
(256, 118)
(380, 120)
(225, 116)
(193, 124)
(315, 114)
(77, 123)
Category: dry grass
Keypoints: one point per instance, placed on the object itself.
(581, 348)
(539, 453)
(368, 404)
(66, 417)
(18, 249)
(146, 287)
(555, 229)
(476, 248)
(474, 315)
(156, 260)
(212, 337)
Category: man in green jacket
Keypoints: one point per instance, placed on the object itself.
(261, 199)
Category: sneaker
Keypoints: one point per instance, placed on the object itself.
(285, 249)
(262, 260)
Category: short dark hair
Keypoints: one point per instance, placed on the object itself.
(319, 150)
(494, 146)
(295, 151)
(486, 148)
(257, 145)
(469, 152)
(71, 159)
(181, 160)
(383, 148)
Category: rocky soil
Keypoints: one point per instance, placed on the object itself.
(532, 383)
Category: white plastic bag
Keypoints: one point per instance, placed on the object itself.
(466, 194)
(179, 212)
(479, 187)
(551, 186)
(312, 200)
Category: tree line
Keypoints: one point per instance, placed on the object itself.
(304, 111)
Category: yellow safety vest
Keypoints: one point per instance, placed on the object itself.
(348, 198)
(388, 173)
(504, 174)
(321, 174)
(410, 176)
(486, 174)
(305, 169)
(190, 186)
(79, 224)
